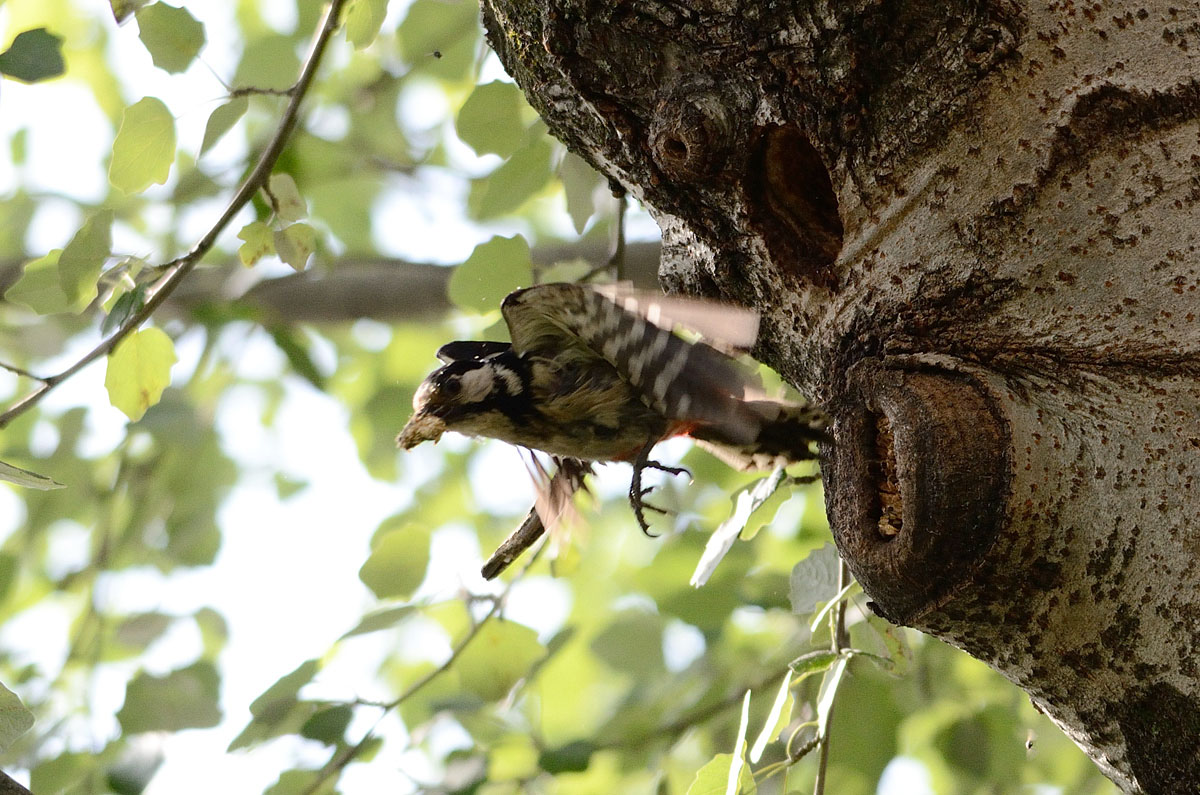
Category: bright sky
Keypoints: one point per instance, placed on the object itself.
(286, 577)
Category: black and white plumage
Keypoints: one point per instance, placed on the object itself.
(597, 374)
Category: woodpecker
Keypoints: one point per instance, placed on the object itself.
(596, 374)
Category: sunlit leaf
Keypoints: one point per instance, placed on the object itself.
(398, 560)
(144, 148)
(39, 287)
(80, 262)
(295, 244)
(828, 693)
(386, 618)
(514, 759)
(746, 503)
(221, 121)
(171, 35)
(363, 20)
(268, 63)
(490, 120)
(285, 688)
(713, 778)
(498, 657)
(15, 717)
(777, 718)
(23, 477)
(517, 179)
(259, 242)
(183, 699)
(738, 764)
(33, 55)
(289, 205)
(493, 270)
(580, 183)
(139, 370)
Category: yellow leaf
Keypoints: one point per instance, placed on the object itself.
(295, 244)
(139, 370)
(258, 243)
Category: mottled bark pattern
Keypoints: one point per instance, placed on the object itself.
(972, 230)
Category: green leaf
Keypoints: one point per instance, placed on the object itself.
(183, 699)
(436, 26)
(363, 20)
(293, 348)
(80, 262)
(23, 477)
(580, 183)
(15, 718)
(139, 631)
(516, 180)
(814, 580)
(777, 718)
(574, 757)
(295, 244)
(386, 618)
(34, 55)
(286, 200)
(814, 661)
(280, 696)
(139, 370)
(713, 778)
(131, 773)
(268, 63)
(499, 656)
(747, 502)
(490, 120)
(171, 35)
(493, 270)
(39, 287)
(399, 556)
(126, 306)
(144, 148)
(632, 643)
(828, 694)
(737, 765)
(328, 725)
(221, 121)
(260, 241)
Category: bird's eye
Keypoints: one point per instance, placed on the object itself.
(452, 387)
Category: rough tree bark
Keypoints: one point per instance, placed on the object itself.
(971, 228)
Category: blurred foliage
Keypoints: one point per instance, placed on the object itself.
(636, 682)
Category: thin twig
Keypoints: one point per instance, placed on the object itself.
(177, 270)
(837, 645)
(347, 755)
(12, 368)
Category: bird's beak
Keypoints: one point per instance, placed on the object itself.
(421, 427)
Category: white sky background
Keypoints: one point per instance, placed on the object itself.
(286, 576)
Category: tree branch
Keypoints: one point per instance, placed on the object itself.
(178, 270)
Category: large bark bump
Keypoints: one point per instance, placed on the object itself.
(917, 485)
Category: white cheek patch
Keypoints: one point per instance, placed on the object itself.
(512, 381)
(477, 384)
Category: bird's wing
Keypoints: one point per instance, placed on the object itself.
(463, 350)
(690, 382)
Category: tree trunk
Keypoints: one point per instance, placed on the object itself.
(971, 230)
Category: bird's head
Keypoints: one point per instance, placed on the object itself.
(451, 397)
